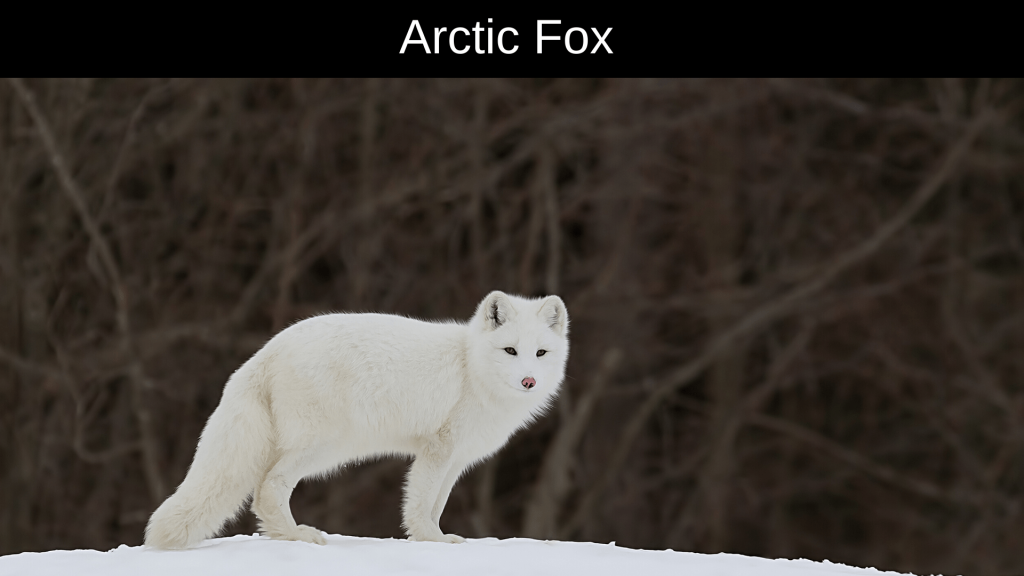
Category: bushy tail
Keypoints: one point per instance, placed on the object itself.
(232, 455)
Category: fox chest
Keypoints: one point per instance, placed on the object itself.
(483, 432)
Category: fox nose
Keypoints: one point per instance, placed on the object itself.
(529, 382)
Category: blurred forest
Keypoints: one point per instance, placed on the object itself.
(797, 306)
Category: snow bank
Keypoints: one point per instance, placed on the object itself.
(253, 555)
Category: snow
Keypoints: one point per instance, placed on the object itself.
(253, 555)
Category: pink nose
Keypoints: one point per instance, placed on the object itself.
(529, 382)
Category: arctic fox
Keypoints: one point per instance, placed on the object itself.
(341, 387)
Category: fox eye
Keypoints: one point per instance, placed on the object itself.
(511, 350)
(541, 353)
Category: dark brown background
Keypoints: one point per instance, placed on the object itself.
(797, 322)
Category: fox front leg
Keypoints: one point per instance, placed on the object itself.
(431, 475)
(446, 489)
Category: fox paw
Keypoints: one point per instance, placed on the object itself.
(300, 533)
(448, 538)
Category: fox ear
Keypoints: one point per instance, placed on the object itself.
(496, 309)
(553, 312)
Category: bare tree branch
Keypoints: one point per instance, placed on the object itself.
(553, 483)
(851, 458)
(136, 371)
(779, 307)
(27, 366)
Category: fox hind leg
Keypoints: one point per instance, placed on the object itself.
(271, 505)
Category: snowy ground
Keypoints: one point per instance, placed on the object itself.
(252, 555)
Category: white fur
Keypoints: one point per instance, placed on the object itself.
(343, 387)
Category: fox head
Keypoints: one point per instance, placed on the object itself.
(521, 344)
